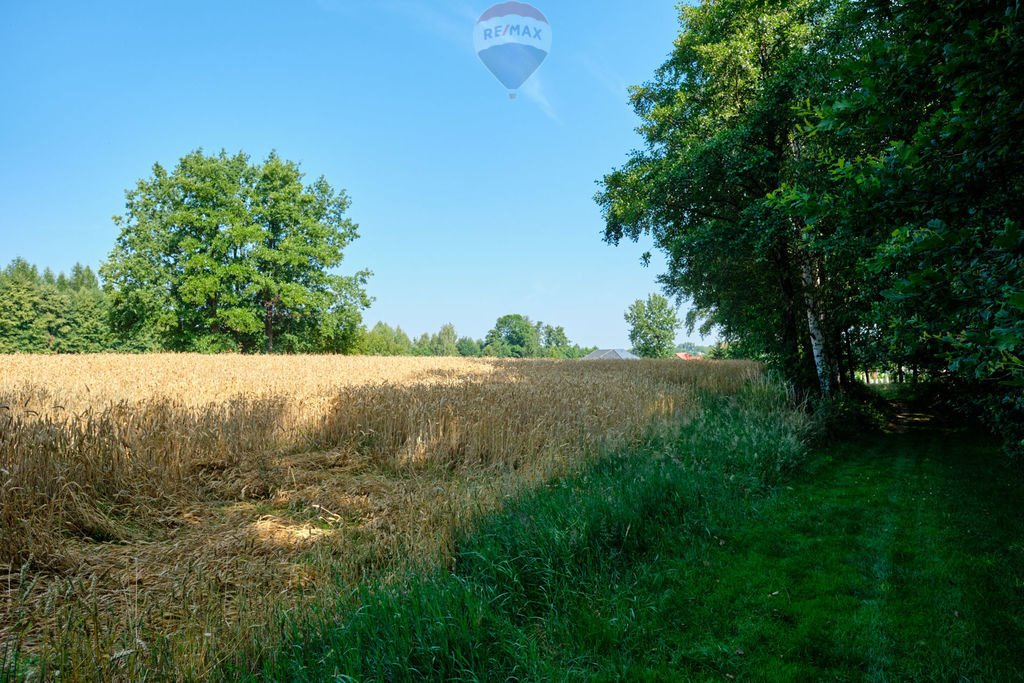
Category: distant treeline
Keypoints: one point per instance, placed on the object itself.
(513, 336)
(46, 312)
(42, 312)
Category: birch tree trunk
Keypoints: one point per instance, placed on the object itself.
(812, 281)
(819, 350)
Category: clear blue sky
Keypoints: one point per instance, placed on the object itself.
(470, 205)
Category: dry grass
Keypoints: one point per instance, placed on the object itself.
(159, 511)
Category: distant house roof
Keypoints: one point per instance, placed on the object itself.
(687, 356)
(611, 354)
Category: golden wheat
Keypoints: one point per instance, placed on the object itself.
(181, 501)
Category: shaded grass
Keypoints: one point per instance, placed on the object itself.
(899, 559)
(897, 556)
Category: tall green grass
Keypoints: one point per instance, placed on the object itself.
(515, 604)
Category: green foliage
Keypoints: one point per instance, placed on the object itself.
(840, 182)
(47, 313)
(513, 336)
(222, 254)
(928, 153)
(652, 327)
(421, 347)
(718, 120)
(520, 339)
(445, 342)
(384, 340)
(468, 347)
(516, 336)
(555, 343)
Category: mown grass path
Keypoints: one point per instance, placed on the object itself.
(899, 557)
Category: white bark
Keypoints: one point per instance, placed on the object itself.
(821, 360)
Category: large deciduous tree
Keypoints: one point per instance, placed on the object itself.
(837, 184)
(652, 326)
(513, 336)
(926, 146)
(719, 120)
(225, 254)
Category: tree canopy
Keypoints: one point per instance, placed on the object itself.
(837, 185)
(224, 254)
(47, 313)
(652, 327)
(719, 123)
(516, 336)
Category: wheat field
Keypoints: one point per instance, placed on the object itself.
(162, 510)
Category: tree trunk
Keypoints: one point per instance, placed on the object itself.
(268, 324)
(823, 364)
(794, 360)
(211, 304)
(822, 361)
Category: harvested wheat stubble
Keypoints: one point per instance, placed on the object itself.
(170, 506)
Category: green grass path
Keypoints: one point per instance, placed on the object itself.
(900, 557)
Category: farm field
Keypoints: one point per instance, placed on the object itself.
(168, 509)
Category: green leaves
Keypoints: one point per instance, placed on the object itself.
(1016, 300)
(52, 314)
(872, 146)
(222, 253)
(513, 336)
(652, 327)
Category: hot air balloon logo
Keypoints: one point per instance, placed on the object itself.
(512, 39)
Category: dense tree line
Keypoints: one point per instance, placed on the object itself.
(41, 312)
(45, 313)
(513, 336)
(224, 254)
(837, 185)
(217, 254)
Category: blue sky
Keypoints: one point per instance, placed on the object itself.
(470, 205)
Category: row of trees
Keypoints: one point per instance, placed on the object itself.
(224, 254)
(837, 184)
(219, 254)
(513, 336)
(41, 312)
